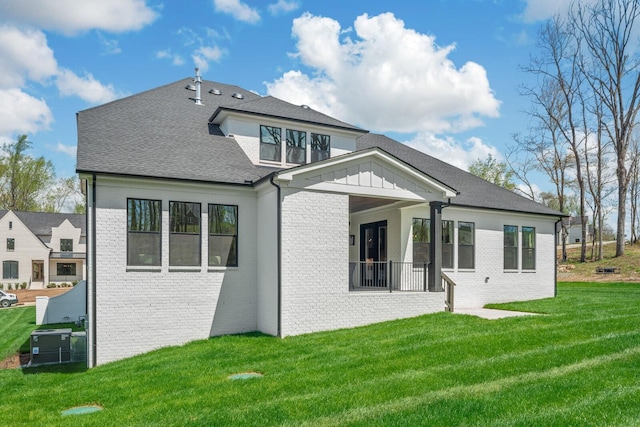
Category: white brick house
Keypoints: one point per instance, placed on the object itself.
(216, 211)
(38, 248)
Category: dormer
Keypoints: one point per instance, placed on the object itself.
(276, 133)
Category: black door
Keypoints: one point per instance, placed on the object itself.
(373, 254)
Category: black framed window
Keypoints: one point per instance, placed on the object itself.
(510, 247)
(66, 245)
(223, 235)
(528, 248)
(184, 234)
(9, 269)
(66, 269)
(320, 147)
(466, 244)
(270, 141)
(447, 243)
(296, 146)
(11, 244)
(144, 232)
(421, 240)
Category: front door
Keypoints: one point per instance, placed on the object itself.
(37, 274)
(373, 254)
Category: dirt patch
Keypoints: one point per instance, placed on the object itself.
(15, 361)
(29, 295)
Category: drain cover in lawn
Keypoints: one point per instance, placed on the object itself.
(244, 376)
(79, 410)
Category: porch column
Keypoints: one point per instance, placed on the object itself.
(435, 247)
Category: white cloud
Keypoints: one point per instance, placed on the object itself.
(388, 78)
(111, 46)
(452, 151)
(69, 150)
(237, 9)
(539, 10)
(72, 16)
(203, 55)
(87, 87)
(166, 54)
(22, 113)
(283, 6)
(24, 55)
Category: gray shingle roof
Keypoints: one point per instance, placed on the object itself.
(40, 223)
(162, 133)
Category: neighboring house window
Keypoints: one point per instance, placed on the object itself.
(528, 248)
(66, 269)
(320, 147)
(66, 245)
(270, 138)
(296, 146)
(447, 244)
(10, 225)
(466, 244)
(143, 232)
(510, 247)
(184, 234)
(421, 240)
(10, 269)
(11, 244)
(223, 235)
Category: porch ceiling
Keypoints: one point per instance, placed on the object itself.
(361, 203)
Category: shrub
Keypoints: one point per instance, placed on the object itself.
(75, 282)
(64, 285)
(51, 285)
(1, 286)
(9, 286)
(23, 285)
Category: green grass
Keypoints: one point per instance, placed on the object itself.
(576, 365)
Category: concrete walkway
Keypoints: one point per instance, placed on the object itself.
(490, 313)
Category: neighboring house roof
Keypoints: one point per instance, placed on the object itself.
(41, 223)
(162, 133)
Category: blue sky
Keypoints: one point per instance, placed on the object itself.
(440, 75)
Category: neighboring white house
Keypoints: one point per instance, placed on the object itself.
(212, 210)
(573, 225)
(38, 248)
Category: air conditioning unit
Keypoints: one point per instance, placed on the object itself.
(50, 346)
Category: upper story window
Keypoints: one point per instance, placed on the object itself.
(510, 247)
(143, 232)
(447, 243)
(528, 248)
(10, 225)
(184, 234)
(466, 244)
(11, 244)
(270, 140)
(296, 146)
(223, 235)
(421, 240)
(320, 147)
(66, 245)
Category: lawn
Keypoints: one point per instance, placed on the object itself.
(575, 365)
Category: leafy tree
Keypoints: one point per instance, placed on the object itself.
(493, 171)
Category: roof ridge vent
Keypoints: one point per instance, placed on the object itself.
(190, 87)
(305, 107)
(237, 95)
(215, 91)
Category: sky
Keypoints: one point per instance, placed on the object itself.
(442, 76)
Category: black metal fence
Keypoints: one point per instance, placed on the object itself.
(388, 275)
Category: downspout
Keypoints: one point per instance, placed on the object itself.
(555, 256)
(93, 272)
(279, 255)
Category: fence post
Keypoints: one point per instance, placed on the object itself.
(390, 274)
(424, 276)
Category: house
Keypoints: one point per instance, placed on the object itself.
(38, 248)
(213, 210)
(573, 226)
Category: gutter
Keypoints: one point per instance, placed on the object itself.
(93, 273)
(555, 257)
(279, 254)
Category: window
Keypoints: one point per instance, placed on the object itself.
(10, 269)
(510, 247)
(223, 235)
(528, 248)
(320, 147)
(11, 244)
(66, 245)
(466, 244)
(270, 138)
(184, 234)
(421, 240)
(296, 146)
(143, 232)
(66, 269)
(10, 225)
(447, 244)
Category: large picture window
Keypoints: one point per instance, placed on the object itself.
(320, 147)
(510, 247)
(466, 244)
(66, 269)
(9, 269)
(528, 248)
(270, 140)
(421, 240)
(296, 146)
(447, 244)
(184, 234)
(143, 232)
(223, 235)
(66, 245)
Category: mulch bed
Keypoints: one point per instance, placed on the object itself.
(15, 361)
